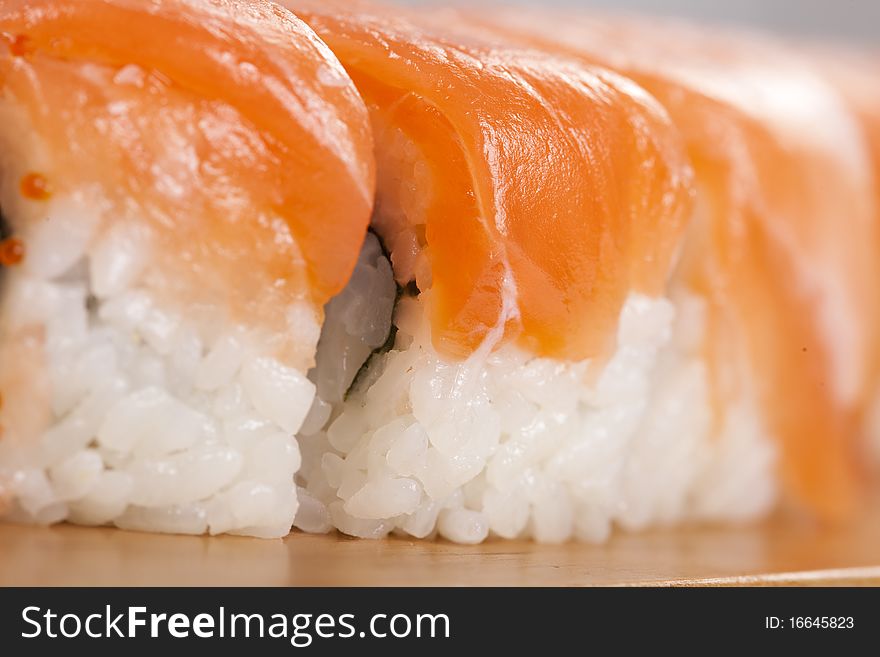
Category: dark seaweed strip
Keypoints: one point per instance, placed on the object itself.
(411, 290)
(384, 347)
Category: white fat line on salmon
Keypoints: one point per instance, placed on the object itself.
(468, 376)
(509, 311)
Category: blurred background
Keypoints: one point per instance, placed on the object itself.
(840, 20)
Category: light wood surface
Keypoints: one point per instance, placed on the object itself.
(777, 552)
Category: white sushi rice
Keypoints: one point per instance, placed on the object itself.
(156, 420)
(505, 444)
(160, 421)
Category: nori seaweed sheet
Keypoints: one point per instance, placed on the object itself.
(410, 289)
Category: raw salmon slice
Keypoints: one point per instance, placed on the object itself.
(541, 191)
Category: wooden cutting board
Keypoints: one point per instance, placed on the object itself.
(777, 552)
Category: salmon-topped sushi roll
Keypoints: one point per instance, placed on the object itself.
(783, 244)
(184, 184)
(546, 377)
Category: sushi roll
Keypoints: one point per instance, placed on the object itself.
(184, 184)
(550, 374)
(342, 266)
(784, 236)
